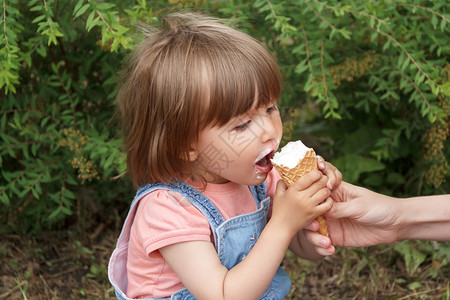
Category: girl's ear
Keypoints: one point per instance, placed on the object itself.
(193, 154)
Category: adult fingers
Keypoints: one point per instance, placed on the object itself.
(340, 210)
(320, 162)
(322, 244)
(313, 226)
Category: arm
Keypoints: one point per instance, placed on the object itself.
(199, 268)
(425, 218)
(360, 217)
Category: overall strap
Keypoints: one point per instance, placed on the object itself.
(203, 204)
(259, 192)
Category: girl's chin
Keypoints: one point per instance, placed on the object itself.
(256, 178)
(260, 177)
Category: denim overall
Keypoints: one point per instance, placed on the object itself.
(234, 238)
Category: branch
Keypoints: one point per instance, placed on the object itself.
(323, 73)
(320, 17)
(409, 56)
(425, 8)
(48, 18)
(104, 21)
(273, 11)
(283, 23)
(4, 23)
(4, 188)
(417, 89)
(306, 48)
(353, 12)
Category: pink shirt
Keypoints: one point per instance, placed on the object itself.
(164, 218)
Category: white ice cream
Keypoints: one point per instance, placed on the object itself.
(291, 154)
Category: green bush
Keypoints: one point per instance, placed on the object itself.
(366, 84)
(378, 72)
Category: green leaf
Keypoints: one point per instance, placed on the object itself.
(55, 213)
(412, 257)
(105, 6)
(81, 11)
(443, 24)
(35, 193)
(109, 161)
(70, 180)
(90, 21)
(4, 198)
(405, 64)
(3, 121)
(386, 45)
(69, 194)
(38, 19)
(395, 178)
(434, 20)
(77, 6)
(353, 165)
(445, 88)
(66, 211)
(414, 285)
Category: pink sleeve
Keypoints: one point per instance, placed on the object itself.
(164, 218)
(271, 187)
(271, 182)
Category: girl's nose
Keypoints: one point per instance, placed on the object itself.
(269, 130)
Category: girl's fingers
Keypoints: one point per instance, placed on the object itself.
(325, 206)
(319, 196)
(307, 180)
(319, 189)
(281, 189)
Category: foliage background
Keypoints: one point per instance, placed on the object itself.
(366, 83)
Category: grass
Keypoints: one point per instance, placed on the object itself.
(64, 265)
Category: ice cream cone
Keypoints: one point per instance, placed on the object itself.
(290, 175)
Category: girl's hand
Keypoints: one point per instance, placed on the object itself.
(297, 206)
(333, 174)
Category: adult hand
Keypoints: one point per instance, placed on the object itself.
(360, 217)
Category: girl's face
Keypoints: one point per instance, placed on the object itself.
(240, 151)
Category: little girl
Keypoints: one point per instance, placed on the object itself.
(211, 218)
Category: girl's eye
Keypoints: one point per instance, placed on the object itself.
(243, 126)
(271, 109)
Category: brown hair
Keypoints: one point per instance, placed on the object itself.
(191, 73)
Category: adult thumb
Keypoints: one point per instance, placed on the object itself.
(340, 210)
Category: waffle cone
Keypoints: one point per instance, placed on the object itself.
(307, 164)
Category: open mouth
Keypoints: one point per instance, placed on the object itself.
(264, 164)
(266, 159)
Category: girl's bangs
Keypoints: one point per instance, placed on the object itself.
(234, 84)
